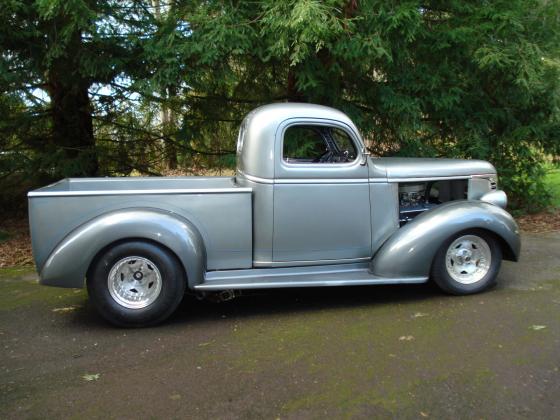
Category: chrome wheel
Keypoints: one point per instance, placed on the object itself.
(134, 282)
(468, 259)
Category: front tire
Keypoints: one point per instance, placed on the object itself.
(136, 284)
(467, 263)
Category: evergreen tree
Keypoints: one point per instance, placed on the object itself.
(135, 85)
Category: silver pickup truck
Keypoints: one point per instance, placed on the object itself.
(307, 207)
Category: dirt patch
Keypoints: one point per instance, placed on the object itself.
(15, 243)
(546, 221)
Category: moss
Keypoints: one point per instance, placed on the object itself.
(405, 398)
(359, 360)
(19, 290)
(11, 272)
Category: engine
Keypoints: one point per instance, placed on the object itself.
(417, 197)
(413, 200)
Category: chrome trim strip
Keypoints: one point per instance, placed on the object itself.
(237, 284)
(437, 178)
(305, 263)
(142, 178)
(485, 176)
(139, 192)
(322, 181)
(260, 180)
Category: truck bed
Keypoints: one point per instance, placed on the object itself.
(221, 210)
(132, 185)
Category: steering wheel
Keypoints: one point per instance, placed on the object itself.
(325, 157)
(344, 156)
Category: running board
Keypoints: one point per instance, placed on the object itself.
(318, 276)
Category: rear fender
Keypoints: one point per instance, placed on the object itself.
(68, 264)
(409, 252)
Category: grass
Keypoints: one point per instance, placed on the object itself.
(553, 183)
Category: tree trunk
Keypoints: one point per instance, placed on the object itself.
(169, 128)
(167, 114)
(72, 128)
(293, 93)
(71, 112)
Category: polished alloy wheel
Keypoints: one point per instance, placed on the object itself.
(134, 282)
(468, 259)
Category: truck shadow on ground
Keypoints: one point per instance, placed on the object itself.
(264, 302)
(297, 301)
(294, 301)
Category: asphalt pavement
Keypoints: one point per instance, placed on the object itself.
(356, 352)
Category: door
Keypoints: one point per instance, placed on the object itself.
(321, 194)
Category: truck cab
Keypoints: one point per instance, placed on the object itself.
(309, 171)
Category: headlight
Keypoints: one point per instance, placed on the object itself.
(498, 198)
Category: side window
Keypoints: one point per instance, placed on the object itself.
(317, 144)
(303, 144)
(345, 144)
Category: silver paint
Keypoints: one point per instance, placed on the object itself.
(224, 220)
(67, 265)
(383, 199)
(256, 156)
(313, 276)
(275, 224)
(428, 168)
(498, 198)
(409, 252)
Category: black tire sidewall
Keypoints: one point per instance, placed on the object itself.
(448, 284)
(172, 290)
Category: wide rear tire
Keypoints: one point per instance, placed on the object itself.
(467, 263)
(136, 284)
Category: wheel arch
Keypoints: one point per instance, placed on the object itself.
(409, 252)
(70, 261)
(113, 244)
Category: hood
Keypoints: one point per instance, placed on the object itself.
(396, 168)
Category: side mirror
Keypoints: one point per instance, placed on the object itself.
(365, 154)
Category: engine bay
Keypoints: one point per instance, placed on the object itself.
(418, 197)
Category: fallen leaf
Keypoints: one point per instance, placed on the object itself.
(406, 338)
(419, 315)
(175, 397)
(424, 414)
(91, 376)
(15, 249)
(538, 327)
(66, 309)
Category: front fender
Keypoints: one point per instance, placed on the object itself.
(409, 252)
(67, 265)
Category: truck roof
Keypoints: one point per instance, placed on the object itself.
(256, 143)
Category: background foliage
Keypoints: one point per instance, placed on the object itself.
(107, 87)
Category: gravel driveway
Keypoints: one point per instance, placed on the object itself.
(399, 351)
